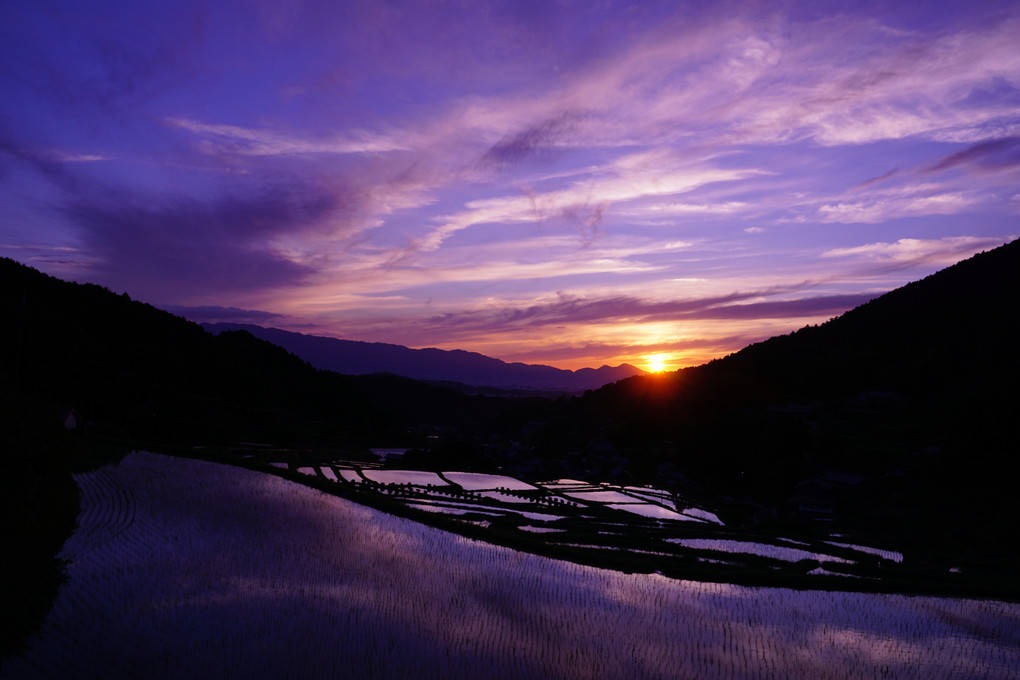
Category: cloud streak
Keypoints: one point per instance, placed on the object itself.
(568, 310)
(186, 247)
(216, 313)
(909, 252)
(995, 154)
(234, 140)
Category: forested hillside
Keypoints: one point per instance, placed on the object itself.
(914, 393)
(140, 374)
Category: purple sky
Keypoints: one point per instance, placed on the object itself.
(552, 182)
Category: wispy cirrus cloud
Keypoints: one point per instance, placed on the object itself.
(584, 203)
(882, 209)
(995, 154)
(185, 247)
(734, 82)
(910, 252)
(569, 310)
(538, 138)
(217, 313)
(907, 85)
(233, 139)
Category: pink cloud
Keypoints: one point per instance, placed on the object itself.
(912, 252)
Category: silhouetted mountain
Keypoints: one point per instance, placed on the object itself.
(352, 357)
(144, 375)
(952, 333)
(915, 393)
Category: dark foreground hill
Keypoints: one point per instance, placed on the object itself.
(898, 416)
(351, 357)
(142, 375)
(124, 374)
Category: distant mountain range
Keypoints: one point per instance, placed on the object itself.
(352, 357)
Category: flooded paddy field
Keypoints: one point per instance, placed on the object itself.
(185, 568)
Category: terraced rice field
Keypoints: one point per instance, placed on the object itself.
(641, 521)
(474, 481)
(184, 568)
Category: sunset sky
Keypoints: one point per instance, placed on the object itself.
(568, 183)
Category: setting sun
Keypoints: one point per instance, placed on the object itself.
(656, 363)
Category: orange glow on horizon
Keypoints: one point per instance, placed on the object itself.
(657, 363)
